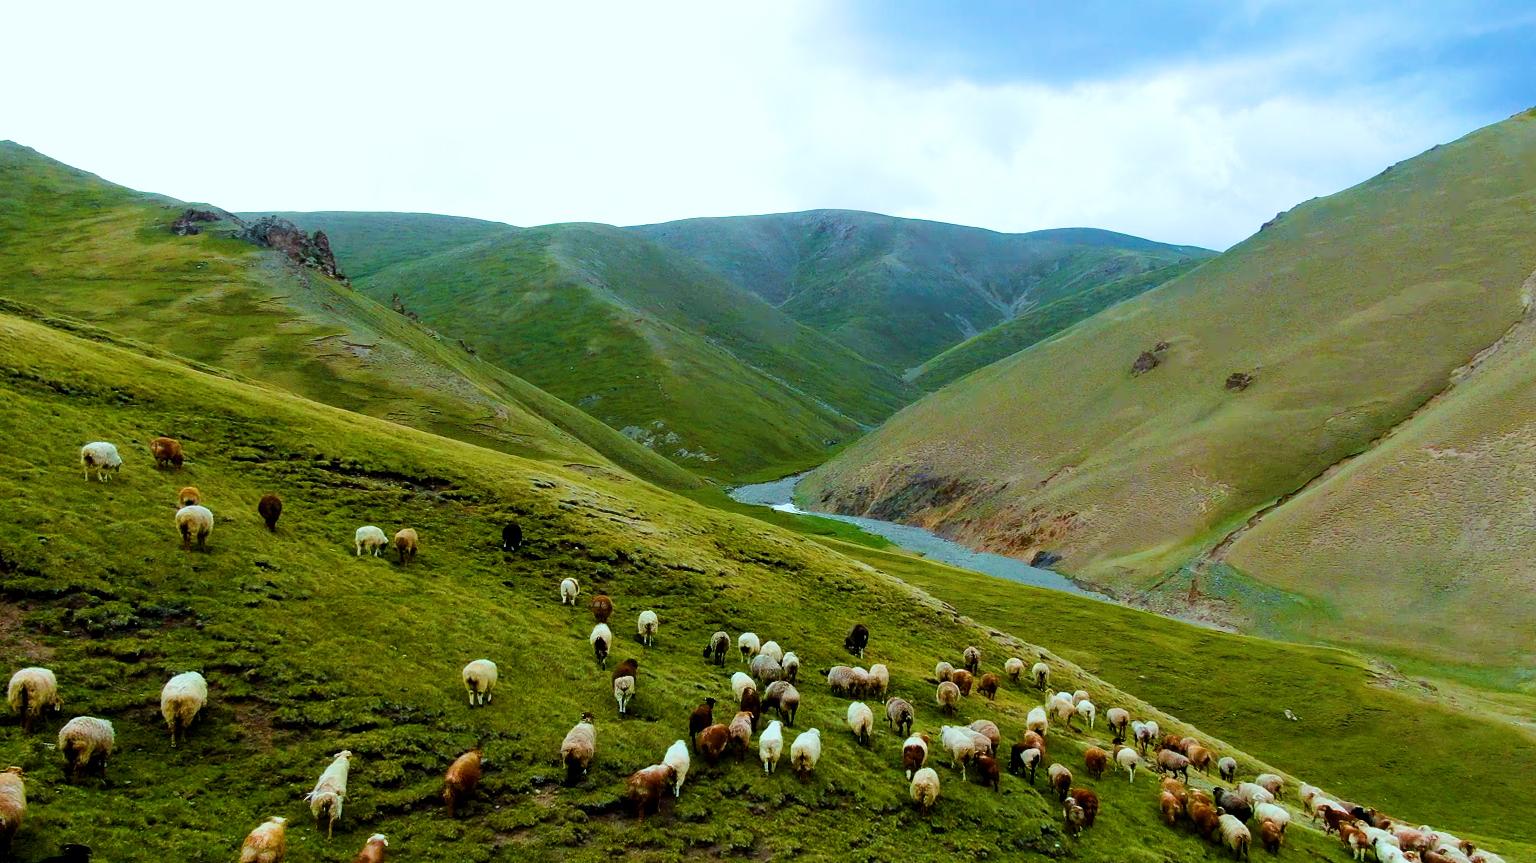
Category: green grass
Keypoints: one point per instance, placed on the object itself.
(365, 243)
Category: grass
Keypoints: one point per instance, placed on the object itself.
(365, 243)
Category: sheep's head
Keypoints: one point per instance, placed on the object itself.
(379, 838)
(588, 718)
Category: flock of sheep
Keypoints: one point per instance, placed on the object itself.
(770, 683)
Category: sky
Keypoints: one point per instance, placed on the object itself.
(1184, 122)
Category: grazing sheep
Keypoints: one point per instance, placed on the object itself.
(370, 538)
(1307, 794)
(701, 718)
(188, 496)
(1024, 761)
(1061, 780)
(988, 729)
(1089, 801)
(719, 643)
(1065, 711)
(770, 745)
(194, 522)
(406, 543)
(460, 781)
(741, 682)
(772, 648)
(645, 627)
(1234, 835)
(1079, 697)
(511, 536)
(963, 680)
(1200, 758)
(373, 850)
(1119, 719)
(1128, 759)
(987, 772)
(268, 843)
(740, 731)
(971, 658)
(942, 671)
(1095, 760)
(1271, 835)
(100, 458)
(330, 791)
(86, 742)
(862, 682)
(181, 699)
(1169, 761)
(748, 644)
(13, 807)
(948, 696)
(578, 748)
(1226, 768)
(1233, 803)
(167, 452)
(1037, 721)
(805, 752)
(791, 665)
(988, 686)
(1204, 815)
(712, 741)
(601, 606)
(914, 754)
(480, 680)
(1041, 674)
(270, 508)
(1270, 782)
(1087, 712)
(601, 639)
(625, 676)
(1272, 812)
(861, 721)
(961, 744)
(1169, 806)
(899, 716)
(925, 789)
(31, 691)
(765, 669)
(1013, 667)
(842, 681)
(1033, 740)
(1259, 794)
(1072, 817)
(569, 589)
(857, 640)
(783, 696)
(879, 681)
(646, 786)
(678, 761)
(752, 703)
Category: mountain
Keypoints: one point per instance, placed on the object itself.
(899, 291)
(650, 343)
(1328, 429)
(365, 243)
(73, 243)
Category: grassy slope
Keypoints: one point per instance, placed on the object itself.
(1355, 309)
(643, 338)
(309, 649)
(365, 243)
(74, 243)
(901, 290)
(1038, 324)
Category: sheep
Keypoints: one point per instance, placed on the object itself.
(1415, 839)
(948, 697)
(1169, 761)
(1226, 768)
(1146, 734)
(712, 742)
(1072, 817)
(370, 538)
(925, 789)
(601, 638)
(182, 698)
(330, 792)
(1200, 758)
(578, 748)
(1307, 793)
(167, 452)
(1480, 855)
(480, 681)
(879, 681)
(569, 590)
(961, 744)
(1272, 812)
(765, 669)
(740, 682)
(1060, 779)
(740, 731)
(914, 754)
(1037, 721)
(100, 458)
(645, 627)
(13, 807)
(770, 745)
(971, 658)
(1204, 815)
(1169, 806)
(511, 536)
(987, 772)
(988, 686)
(646, 786)
(1270, 782)
(1095, 760)
(1256, 793)
(1118, 719)
(752, 703)
(786, 698)
(1024, 761)
(857, 640)
(270, 508)
(988, 729)
(1033, 740)
(772, 648)
(1041, 674)
(86, 742)
(748, 644)
(942, 671)
(701, 718)
(461, 779)
(1062, 707)
(194, 522)
(1270, 836)
(625, 676)
(861, 721)
(268, 843)
(373, 849)
(1089, 801)
(899, 716)
(31, 691)
(963, 680)
(805, 752)
(678, 761)
(188, 495)
(861, 682)
(406, 544)
(1128, 759)
(601, 607)
(1234, 835)
(1087, 712)
(1013, 667)
(1233, 802)
(719, 643)
(791, 665)
(842, 682)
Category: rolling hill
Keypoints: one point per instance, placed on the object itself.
(1388, 319)
(368, 242)
(898, 291)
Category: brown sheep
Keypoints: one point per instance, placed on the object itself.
(1174, 743)
(964, 680)
(740, 732)
(460, 781)
(988, 686)
(270, 508)
(712, 742)
(948, 696)
(1172, 762)
(1072, 817)
(1061, 780)
(1270, 836)
(752, 704)
(188, 496)
(405, 544)
(914, 754)
(701, 718)
(1176, 788)
(13, 807)
(1168, 804)
(1095, 760)
(1186, 743)
(1034, 740)
(987, 769)
(1204, 815)
(602, 609)
(268, 843)
(1089, 801)
(1200, 758)
(646, 786)
(373, 850)
(167, 451)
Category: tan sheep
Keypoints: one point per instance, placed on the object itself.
(406, 543)
(268, 843)
(330, 791)
(480, 680)
(181, 700)
(13, 807)
(195, 523)
(578, 748)
(86, 743)
(31, 691)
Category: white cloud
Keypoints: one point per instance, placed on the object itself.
(630, 113)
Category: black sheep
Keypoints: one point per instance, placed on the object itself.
(857, 640)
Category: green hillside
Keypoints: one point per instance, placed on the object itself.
(309, 649)
(1038, 324)
(71, 242)
(650, 343)
(1350, 312)
(368, 242)
(899, 291)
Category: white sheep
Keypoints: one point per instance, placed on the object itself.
(770, 745)
(1087, 712)
(569, 590)
(1014, 668)
(748, 644)
(181, 699)
(645, 627)
(624, 685)
(1041, 673)
(961, 744)
(879, 681)
(741, 682)
(1226, 768)
(1119, 719)
(805, 752)
(100, 458)
(1037, 721)
(1255, 793)
(330, 791)
(1271, 782)
(764, 668)
(86, 742)
(578, 748)
(1234, 835)
(925, 789)
(861, 721)
(372, 539)
(677, 759)
(791, 666)
(480, 680)
(31, 691)
(194, 522)
(772, 648)
(601, 639)
(1129, 759)
(942, 671)
(1271, 812)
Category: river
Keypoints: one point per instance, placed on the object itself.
(780, 495)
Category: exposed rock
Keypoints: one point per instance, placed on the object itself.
(1160, 347)
(1044, 558)
(308, 250)
(1239, 381)
(1145, 363)
(186, 225)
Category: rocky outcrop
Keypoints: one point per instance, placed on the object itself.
(187, 224)
(1149, 360)
(1239, 381)
(308, 250)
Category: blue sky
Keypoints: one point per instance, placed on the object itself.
(1190, 122)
